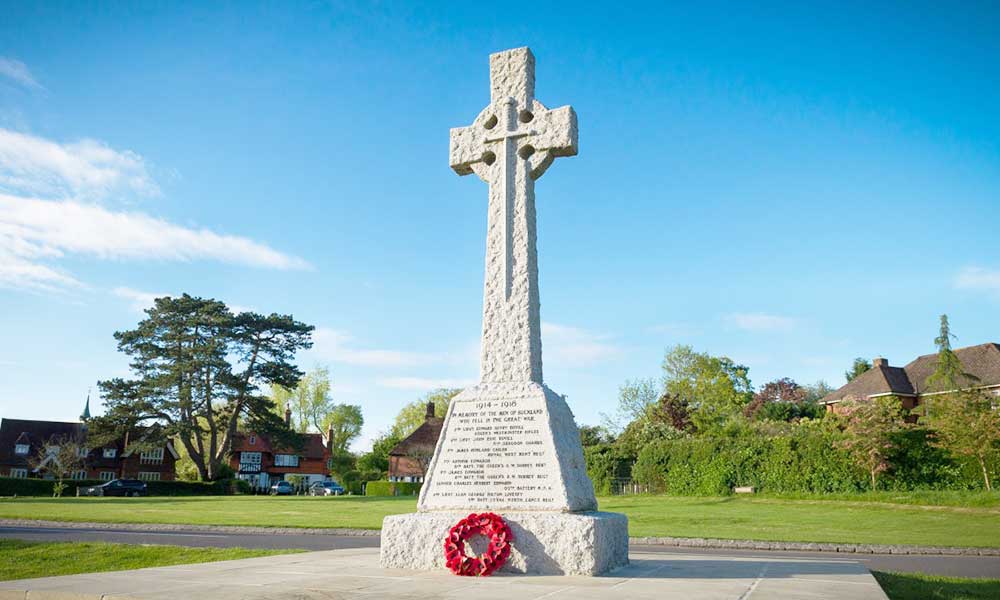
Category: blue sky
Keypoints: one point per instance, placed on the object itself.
(789, 185)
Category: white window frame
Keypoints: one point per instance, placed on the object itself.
(151, 457)
(22, 449)
(253, 458)
(110, 453)
(253, 440)
(82, 452)
(286, 460)
(106, 475)
(79, 475)
(19, 473)
(149, 476)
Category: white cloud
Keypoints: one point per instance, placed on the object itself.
(336, 346)
(422, 384)
(978, 279)
(569, 347)
(34, 230)
(18, 72)
(138, 300)
(31, 165)
(760, 322)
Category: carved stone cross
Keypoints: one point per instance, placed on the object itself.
(510, 145)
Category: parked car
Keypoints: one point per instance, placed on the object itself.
(117, 487)
(282, 488)
(325, 488)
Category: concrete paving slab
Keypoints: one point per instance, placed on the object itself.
(355, 573)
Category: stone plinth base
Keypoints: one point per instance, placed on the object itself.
(545, 543)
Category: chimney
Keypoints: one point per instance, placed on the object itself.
(430, 411)
(329, 438)
(879, 362)
(288, 416)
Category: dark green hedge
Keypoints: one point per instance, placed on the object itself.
(391, 488)
(43, 487)
(222, 487)
(802, 459)
(606, 462)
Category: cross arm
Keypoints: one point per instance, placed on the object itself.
(465, 149)
(555, 135)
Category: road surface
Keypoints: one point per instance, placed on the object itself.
(954, 566)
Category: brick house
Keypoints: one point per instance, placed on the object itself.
(21, 440)
(408, 460)
(909, 383)
(256, 460)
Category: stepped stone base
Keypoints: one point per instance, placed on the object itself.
(545, 543)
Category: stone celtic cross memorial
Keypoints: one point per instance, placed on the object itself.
(509, 444)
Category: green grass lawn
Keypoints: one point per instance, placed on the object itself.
(878, 519)
(910, 586)
(24, 560)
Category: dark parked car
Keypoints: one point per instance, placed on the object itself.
(325, 488)
(282, 488)
(117, 487)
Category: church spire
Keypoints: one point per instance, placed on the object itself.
(86, 409)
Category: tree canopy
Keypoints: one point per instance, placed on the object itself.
(714, 388)
(413, 414)
(858, 367)
(198, 370)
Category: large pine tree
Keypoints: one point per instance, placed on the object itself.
(198, 374)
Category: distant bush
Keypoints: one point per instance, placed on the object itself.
(392, 488)
(605, 463)
(791, 458)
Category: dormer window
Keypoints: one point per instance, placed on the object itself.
(110, 452)
(21, 449)
(82, 452)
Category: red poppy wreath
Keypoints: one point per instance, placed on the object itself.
(489, 525)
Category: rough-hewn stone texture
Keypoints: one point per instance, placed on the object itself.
(510, 444)
(510, 145)
(545, 543)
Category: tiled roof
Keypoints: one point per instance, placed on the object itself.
(313, 447)
(33, 433)
(421, 441)
(982, 361)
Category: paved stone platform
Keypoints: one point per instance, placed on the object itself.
(355, 573)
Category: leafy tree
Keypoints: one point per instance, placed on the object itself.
(714, 388)
(967, 423)
(948, 375)
(859, 366)
(673, 410)
(344, 422)
(378, 459)
(651, 427)
(341, 463)
(781, 397)
(412, 415)
(198, 369)
(309, 401)
(60, 457)
(634, 397)
(593, 435)
(817, 391)
(870, 427)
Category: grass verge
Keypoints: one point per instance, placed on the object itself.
(853, 519)
(911, 586)
(25, 560)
